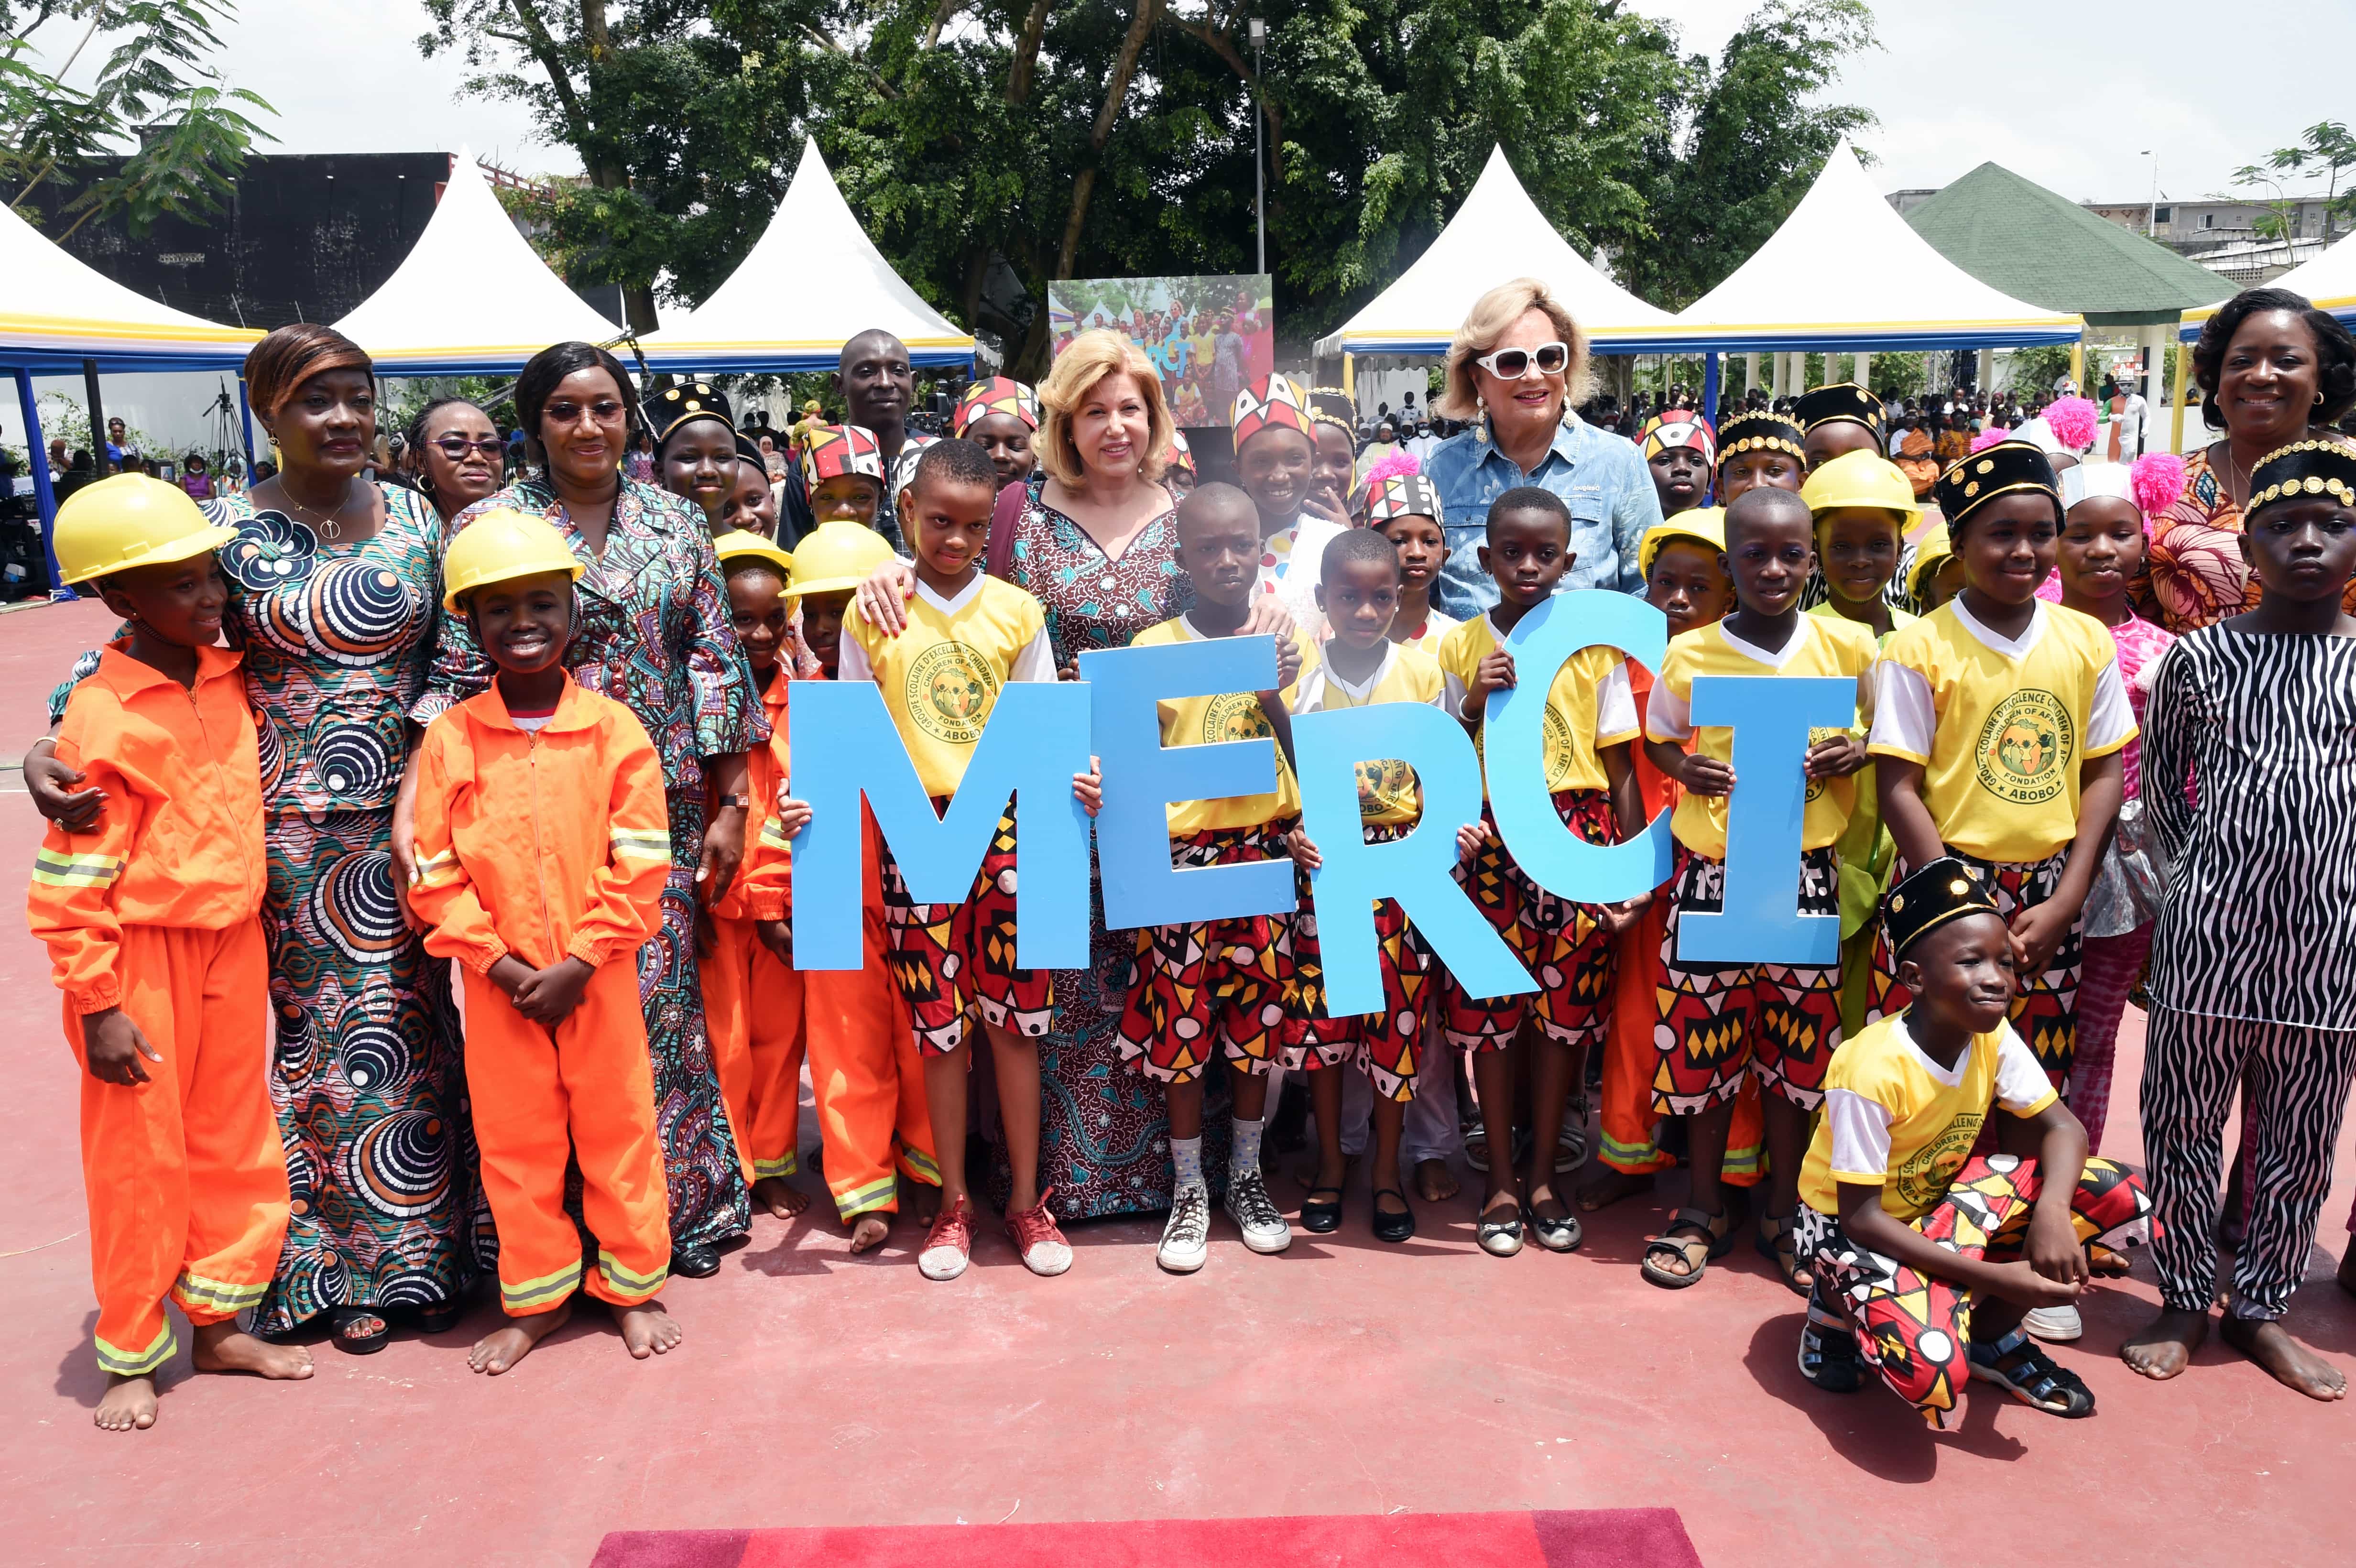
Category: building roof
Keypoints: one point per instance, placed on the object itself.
(1497, 235)
(1845, 271)
(2013, 234)
(2329, 280)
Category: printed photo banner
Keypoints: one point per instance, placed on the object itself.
(1039, 735)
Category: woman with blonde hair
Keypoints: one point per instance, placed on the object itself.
(1518, 364)
(1092, 535)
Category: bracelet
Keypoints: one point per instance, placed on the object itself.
(741, 802)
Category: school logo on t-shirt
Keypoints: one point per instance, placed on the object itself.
(1234, 716)
(1924, 1178)
(1388, 786)
(1557, 743)
(2024, 746)
(950, 692)
(1818, 738)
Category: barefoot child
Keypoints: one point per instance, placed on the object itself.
(1927, 1257)
(968, 636)
(2253, 982)
(151, 923)
(1200, 992)
(867, 1077)
(1405, 509)
(1778, 1023)
(1591, 728)
(1683, 562)
(752, 992)
(1863, 507)
(1359, 665)
(542, 847)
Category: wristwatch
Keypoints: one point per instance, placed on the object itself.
(741, 802)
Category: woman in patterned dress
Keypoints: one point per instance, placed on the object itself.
(1101, 556)
(2273, 369)
(335, 585)
(654, 635)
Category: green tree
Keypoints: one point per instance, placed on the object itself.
(154, 96)
(2325, 148)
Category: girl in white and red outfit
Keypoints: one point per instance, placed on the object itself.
(2105, 528)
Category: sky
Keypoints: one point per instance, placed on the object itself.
(2021, 83)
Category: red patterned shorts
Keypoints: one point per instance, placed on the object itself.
(1779, 1021)
(1386, 1046)
(1211, 987)
(1559, 942)
(950, 959)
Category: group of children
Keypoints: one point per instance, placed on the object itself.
(1958, 827)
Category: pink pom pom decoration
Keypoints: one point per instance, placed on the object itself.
(2157, 482)
(1396, 462)
(2072, 421)
(1990, 436)
(2050, 589)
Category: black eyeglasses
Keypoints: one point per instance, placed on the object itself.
(602, 410)
(456, 447)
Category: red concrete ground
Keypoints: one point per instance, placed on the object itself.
(1344, 1377)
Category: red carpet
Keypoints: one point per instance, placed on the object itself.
(1593, 1538)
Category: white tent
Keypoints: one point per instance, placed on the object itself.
(1498, 235)
(2329, 280)
(812, 283)
(56, 313)
(471, 295)
(1845, 272)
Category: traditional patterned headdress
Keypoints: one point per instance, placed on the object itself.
(1843, 400)
(683, 404)
(1759, 432)
(1395, 495)
(1179, 455)
(1331, 405)
(2302, 469)
(1270, 400)
(836, 450)
(1673, 428)
(1971, 483)
(1946, 889)
(997, 395)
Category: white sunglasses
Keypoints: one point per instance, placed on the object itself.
(1515, 364)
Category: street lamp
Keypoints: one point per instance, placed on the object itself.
(1259, 158)
(2151, 213)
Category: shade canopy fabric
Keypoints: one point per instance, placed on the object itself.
(2329, 280)
(1498, 235)
(812, 283)
(2037, 245)
(1845, 272)
(472, 296)
(56, 313)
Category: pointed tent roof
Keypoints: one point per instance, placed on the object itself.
(1497, 235)
(58, 312)
(813, 282)
(2014, 234)
(471, 295)
(2329, 280)
(1845, 271)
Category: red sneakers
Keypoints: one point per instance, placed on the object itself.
(1034, 1232)
(948, 1245)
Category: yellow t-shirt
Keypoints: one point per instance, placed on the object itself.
(1588, 706)
(1230, 716)
(2001, 727)
(940, 677)
(1817, 649)
(1388, 793)
(1895, 1120)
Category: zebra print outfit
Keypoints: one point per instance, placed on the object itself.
(2253, 962)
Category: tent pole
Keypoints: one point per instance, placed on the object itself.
(1710, 388)
(245, 422)
(2078, 364)
(96, 419)
(2176, 401)
(1350, 377)
(45, 495)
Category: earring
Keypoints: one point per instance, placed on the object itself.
(1480, 423)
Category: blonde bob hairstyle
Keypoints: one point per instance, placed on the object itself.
(1486, 323)
(1092, 357)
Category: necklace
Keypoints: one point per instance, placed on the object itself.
(328, 526)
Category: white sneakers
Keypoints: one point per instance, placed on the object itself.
(1255, 1213)
(1186, 1236)
(2056, 1325)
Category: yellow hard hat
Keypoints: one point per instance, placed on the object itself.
(1861, 478)
(499, 546)
(740, 542)
(1934, 550)
(1703, 525)
(130, 521)
(835, 557)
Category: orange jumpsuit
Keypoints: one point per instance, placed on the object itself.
(753, 1003)
(551, 845)
(1630, 1055)
(155, 913)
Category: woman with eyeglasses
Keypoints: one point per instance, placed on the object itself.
(652, 632)
(335, 587)
(455, 455)
(1517, 365)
